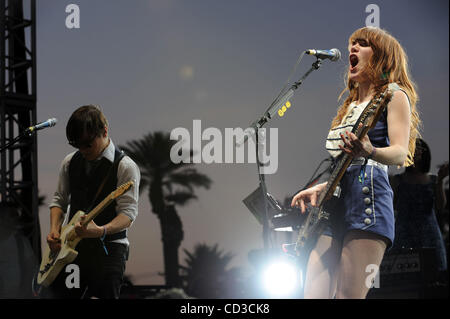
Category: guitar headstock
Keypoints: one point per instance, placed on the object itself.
(122, 189)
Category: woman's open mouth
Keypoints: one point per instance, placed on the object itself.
(353, 60)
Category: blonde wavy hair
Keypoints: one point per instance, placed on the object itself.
(388, 64)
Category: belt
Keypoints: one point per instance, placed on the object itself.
(361, 161)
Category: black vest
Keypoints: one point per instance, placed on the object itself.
(83, 188)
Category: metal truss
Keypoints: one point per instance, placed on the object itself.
(18, 162)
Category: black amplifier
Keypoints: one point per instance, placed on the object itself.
(410, 274)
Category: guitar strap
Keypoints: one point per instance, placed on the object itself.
(102, 185)
(100, 188)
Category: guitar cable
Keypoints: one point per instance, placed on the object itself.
(314, 179)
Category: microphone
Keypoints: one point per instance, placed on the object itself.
(49, 123)
(333, 54)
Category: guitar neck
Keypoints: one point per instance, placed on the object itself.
(334, 178)
(98, 209)
(342, 164)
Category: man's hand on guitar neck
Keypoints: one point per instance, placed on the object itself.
(91, 230)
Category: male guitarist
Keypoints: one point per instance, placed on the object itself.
(86, 177)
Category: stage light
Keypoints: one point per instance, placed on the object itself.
(280, 279)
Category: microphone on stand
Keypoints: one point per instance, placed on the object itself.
(333, 54)
(49, 123)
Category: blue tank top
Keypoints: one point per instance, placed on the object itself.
(378, 135)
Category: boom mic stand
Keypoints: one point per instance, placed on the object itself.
(256, 125)
(24, 134)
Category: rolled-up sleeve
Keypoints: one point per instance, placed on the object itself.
(128, 203)
(61, 197)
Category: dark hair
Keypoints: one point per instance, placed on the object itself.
(422, 162)
(87, 121)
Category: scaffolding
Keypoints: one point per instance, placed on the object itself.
(18, 162)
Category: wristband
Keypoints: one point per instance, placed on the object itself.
(103, 240)
(374, 152)
(104, 234)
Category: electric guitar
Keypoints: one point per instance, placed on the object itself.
(314, 224)
(54, 261)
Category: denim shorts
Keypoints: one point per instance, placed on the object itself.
(365, 203)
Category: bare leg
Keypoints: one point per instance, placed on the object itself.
(322, 269)
(360, 249)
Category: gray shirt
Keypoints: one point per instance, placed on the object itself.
(127, 170)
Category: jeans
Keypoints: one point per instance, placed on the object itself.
(100, 274)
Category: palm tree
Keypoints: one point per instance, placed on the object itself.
(169, 184)
(206, 274)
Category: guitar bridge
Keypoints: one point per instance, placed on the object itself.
(52, 257)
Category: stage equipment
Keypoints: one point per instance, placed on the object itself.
(281, 100)
(18, 163)
(409, 273)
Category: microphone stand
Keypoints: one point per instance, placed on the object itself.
(257, 125)
(26, 133)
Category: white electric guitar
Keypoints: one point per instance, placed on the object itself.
(54, 261)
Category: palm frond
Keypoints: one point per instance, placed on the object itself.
(178, 180)
(189, 178)
(180, 198)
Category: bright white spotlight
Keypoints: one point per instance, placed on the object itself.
(280, 279)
